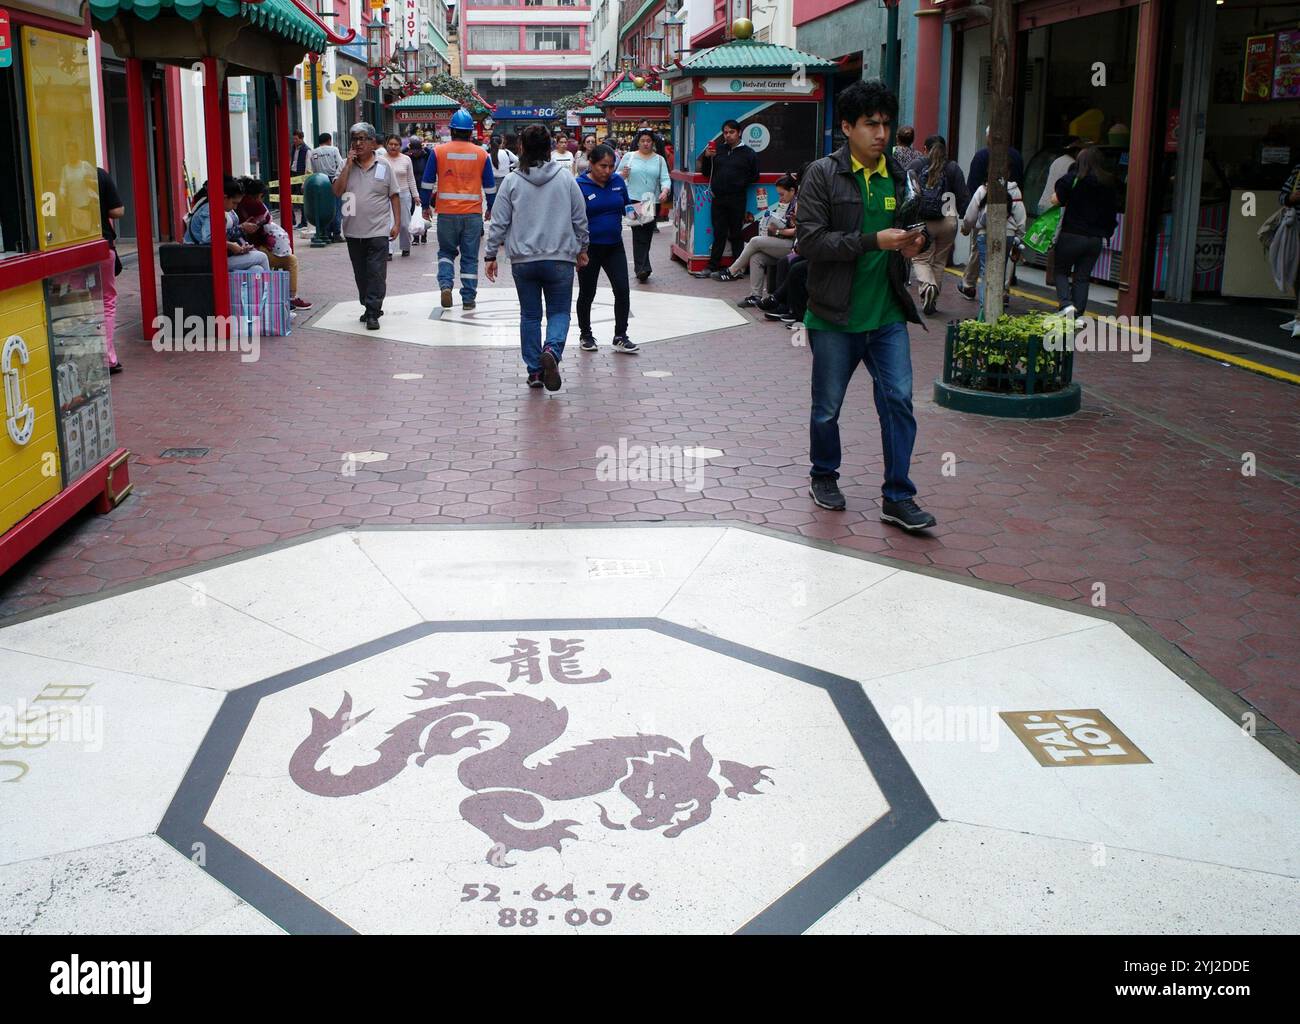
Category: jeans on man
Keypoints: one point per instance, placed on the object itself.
(459, 232)
(613, 260)
(335, 228)
(535, 280)
(642, 236)
(369, 258)
(887, 354)
(728, 216)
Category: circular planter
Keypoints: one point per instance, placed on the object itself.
(1020, 407)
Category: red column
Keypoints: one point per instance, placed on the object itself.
(214, 112)
(141, 200)
(286, 171)
(175, 148)
(1140, 156)
(226, 162)
(929, 53)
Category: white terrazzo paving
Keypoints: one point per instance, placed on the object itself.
(1202, 838)
(419, 319)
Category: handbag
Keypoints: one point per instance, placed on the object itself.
(261, 298)
(1269, 228)
(638, 214)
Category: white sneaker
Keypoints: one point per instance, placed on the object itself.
(1290, 325)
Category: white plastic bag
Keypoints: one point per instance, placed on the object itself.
(639, 213)
(418, 225)
(280, 244)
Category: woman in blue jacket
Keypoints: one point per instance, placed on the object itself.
(606, 198)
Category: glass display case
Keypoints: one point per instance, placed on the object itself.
(75, 312)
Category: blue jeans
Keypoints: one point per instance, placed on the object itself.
(554, 280)
(888, 356)
(459, 232)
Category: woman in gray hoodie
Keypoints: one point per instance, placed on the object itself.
(541, 218)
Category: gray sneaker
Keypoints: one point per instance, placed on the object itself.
(826, 493)
(625, 344)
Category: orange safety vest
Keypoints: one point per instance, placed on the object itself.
(460, 177)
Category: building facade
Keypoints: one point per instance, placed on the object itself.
(525, 53)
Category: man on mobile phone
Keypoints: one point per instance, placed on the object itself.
(372, 214)
(858, 304)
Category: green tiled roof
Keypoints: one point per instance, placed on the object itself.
(422, 102)
(742, 55)
(635, 18)
(279, 17)
(592, 111)
(628, 95)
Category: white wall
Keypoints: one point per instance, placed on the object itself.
(970, 129)
(777, 17)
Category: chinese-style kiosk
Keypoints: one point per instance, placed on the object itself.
(433, 111)
(779, 96)
(629, 107)
(58, 446)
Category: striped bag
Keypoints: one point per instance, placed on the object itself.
(261, 297)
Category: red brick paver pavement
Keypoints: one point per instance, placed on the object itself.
(1142, 491)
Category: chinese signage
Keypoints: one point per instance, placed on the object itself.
(524, 113)
(6, 43)
(787, 84)
(1063, 739)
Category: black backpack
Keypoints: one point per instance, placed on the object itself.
(931, 205)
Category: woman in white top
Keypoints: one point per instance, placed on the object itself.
(560, 153)
(503, 162)
(582, 158)
(402, 170)
(646, 174)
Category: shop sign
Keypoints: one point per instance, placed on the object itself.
(6, 41)
(409, 27)
(524, 113)
(683, 89)
(1211, 244)
(756, 136)
(1275, 155)
(783, 85)
(572, 119)
(306, 80)
(346, 87)
(238, 102)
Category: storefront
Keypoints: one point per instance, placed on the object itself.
(1232, 136)
(778, 96)
(58, 448)
(592, 121)
(628, 109)
(1132, 77)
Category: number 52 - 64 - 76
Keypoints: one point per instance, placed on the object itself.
(491, 893)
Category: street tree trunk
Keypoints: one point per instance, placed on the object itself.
(1003, 37)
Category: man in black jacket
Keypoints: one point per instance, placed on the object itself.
(854, 231)
(297, 168)
(732, 168)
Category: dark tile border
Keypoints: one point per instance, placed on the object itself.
(1273, 738)
(910, 810)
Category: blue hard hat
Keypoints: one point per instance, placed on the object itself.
(462, 120)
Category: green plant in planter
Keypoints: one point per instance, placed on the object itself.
(1013, 355)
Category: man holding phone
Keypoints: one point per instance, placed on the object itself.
(372, 213)
(851, 229)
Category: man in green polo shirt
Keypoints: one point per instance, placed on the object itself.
(853, 232)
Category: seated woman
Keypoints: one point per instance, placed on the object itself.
(268, 237)
(774, 240)
(240, 255)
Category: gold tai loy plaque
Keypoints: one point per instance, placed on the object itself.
(1064, 739)
(346, 87)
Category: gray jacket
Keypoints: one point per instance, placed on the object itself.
(539, 214)
(831, 239)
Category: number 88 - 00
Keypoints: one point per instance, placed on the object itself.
(508, 917)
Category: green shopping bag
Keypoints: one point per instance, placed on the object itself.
(1042, 233)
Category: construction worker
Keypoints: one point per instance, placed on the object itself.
(459, 171)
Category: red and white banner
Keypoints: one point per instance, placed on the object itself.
(410, 27)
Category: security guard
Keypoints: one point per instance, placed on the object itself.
(459, 171)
